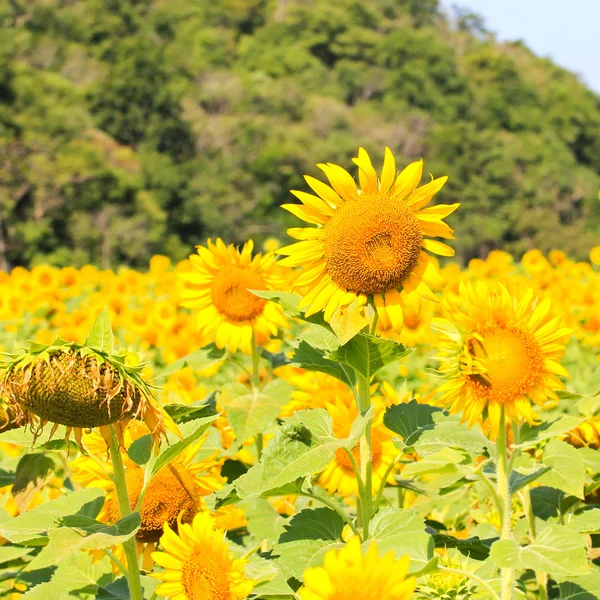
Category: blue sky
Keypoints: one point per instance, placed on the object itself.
(568, 31)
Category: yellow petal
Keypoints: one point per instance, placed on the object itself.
(341, 181)
(314, 202)
(388, 173)
(408, 180)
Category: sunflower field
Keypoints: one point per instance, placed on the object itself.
(347, 415)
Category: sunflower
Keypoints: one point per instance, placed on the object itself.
(347, 574)
(173, 495)
(80, 387)
(499, 351)
(217, 287)
(339, 474)
(369, 242)
(198, 565)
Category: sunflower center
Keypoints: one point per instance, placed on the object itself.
(171, 492)
(343, 460)
(372, 244)
(512, 360)
(202, 578)
(231, 296)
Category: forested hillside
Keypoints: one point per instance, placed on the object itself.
(133, 127)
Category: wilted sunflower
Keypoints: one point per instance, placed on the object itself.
(173, 495)
(347, 574)
(198, 565)
(338, 475)
(499, 351)
(218, 287)
(369, 241)
(80, 387)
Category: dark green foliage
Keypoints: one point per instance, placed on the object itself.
(129, 128)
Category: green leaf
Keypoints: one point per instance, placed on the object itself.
(403, 532)
(473, 547)
(41, 518)
(264, 522)
(303, 445)
(446, 460)
(546, 501)
(85, 534)
(170, 453)
(7, 477)
(116, 590)
(140, 450)
(200, 359)
(101, 335)
(567, 468)
(182, 413)
(586, 522)
(576, 588)
(448, 432)
(319, 337)
(31, 473)
(348, 321)
(276, 360)
(572, 591)
(251, 411)
(77, 572)
(366, 354)
(520, 480)
(531, 435)
(310, 534)
(311, 359)
(410, 420)
(557, 550)
(10, 553)
(288, 301)
(313, 524)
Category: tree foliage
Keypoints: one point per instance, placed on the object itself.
(134, 127)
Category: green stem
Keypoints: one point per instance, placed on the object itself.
(490, 486)
(135, 581)
(383, 482)
(541, 578)
(474, 577)
(364, 398)
(117, 562)
(356, 468)
(255, 380)
(338, 509)
(503, 483)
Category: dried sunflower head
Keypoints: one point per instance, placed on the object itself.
(80, 387)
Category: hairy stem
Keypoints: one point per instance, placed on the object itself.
(133, 567)
(503, 487)
(364, 397)
(255, 380)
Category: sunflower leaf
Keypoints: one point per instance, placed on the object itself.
(567, 468)
(556, 550)
(403, 532)
(366, 353)
(172, 452)
(311, 359)
(39, 519)
(83, 533)
(252, 411)
(101, 335)
(304, 445)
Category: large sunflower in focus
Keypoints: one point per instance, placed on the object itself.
(369, 241)
(499, 351)
(218, 287)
